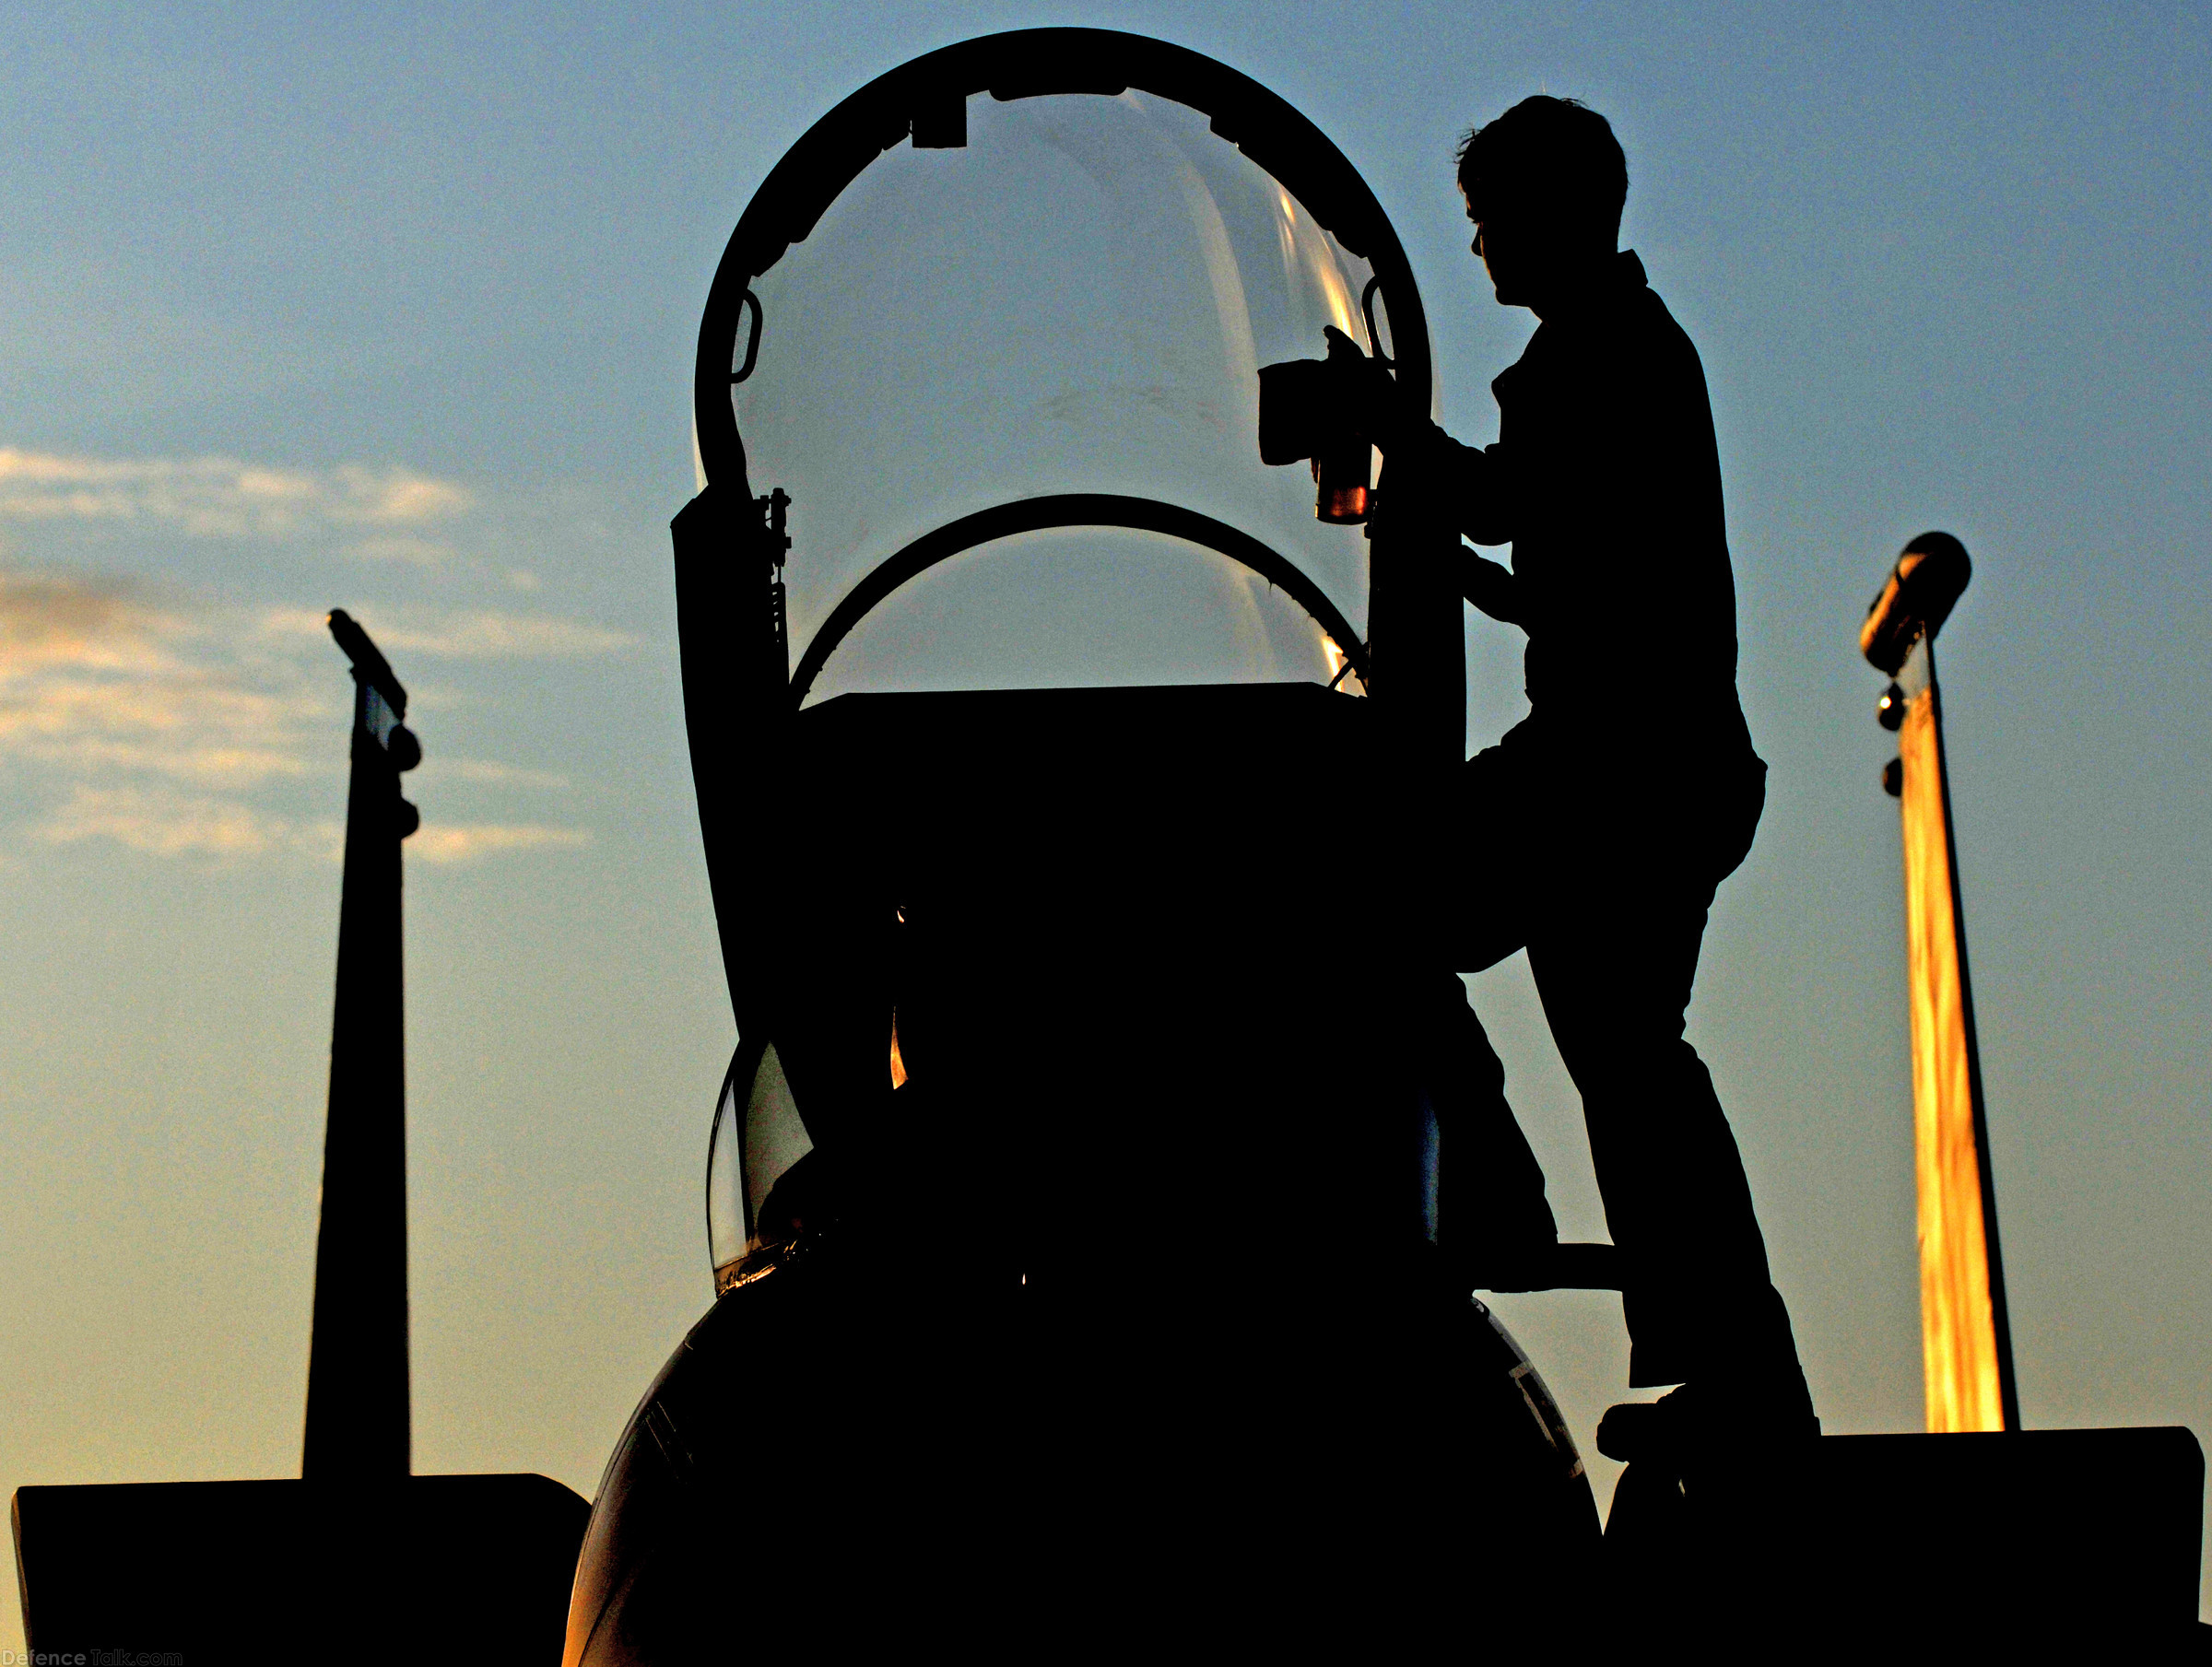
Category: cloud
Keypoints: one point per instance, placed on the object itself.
(135, 715)
(219, 497)
(94, 677)
(489, 635)
(47, 619)
(406, 547)
(477, 634)
(471, 842)
(490, 773)
(167, 728)
(169, 823)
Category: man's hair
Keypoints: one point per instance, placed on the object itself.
(1552, 158)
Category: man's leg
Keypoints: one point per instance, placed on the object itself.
(1493, 1221)
(1615, 968)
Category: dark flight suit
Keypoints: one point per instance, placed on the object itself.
(1597, 831)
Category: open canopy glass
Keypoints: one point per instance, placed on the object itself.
(985, 347)
(1076, 299)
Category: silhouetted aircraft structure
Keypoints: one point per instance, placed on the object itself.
(357, 1418)
(1075, 1189)
(359, 1557)
(1074, 1207)
(1966, 1329)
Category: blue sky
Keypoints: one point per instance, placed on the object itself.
(394, 310)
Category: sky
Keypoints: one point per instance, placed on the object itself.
(394, 310)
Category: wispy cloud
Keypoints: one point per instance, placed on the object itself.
(52, 619)
(94, 677)
(169, 823)
(404, 547)
(490, 635)
(492, 773)
(472, 841)
(471, 634)
(165, 727)
(221, 496)
(132, 714)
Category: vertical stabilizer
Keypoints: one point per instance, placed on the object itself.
(357, 1418)
(1966, 1339)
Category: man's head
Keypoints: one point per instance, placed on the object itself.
(1544, 184)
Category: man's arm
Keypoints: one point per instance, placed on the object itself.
(1471, 491)
(1474, 486)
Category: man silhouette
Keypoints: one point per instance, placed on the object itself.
(1600, 825)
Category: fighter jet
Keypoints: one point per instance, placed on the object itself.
(1079, 1191)
(1085, 1204)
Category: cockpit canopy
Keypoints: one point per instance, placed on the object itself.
(986, 347)
(1074, 300)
